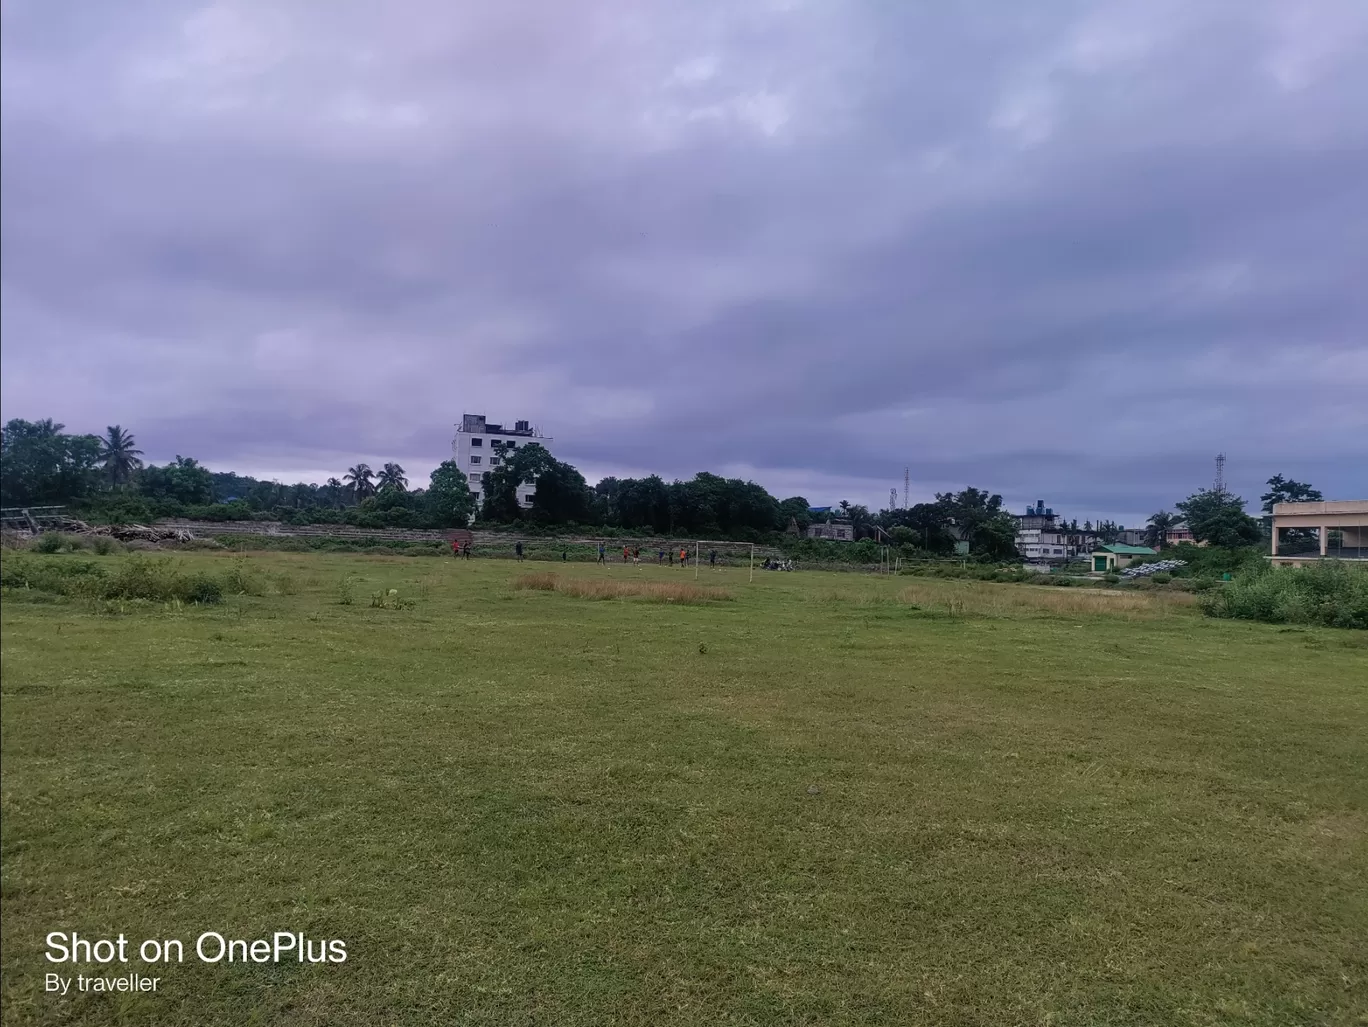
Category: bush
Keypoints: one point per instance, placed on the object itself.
(103, 545)
(204, 589)
(1328, 594)
(1111, 579)
(1161, 577)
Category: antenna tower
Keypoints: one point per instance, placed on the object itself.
(907, 479)
(1219, 487)
(892, 499)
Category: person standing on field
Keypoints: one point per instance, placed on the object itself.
(517, 548)
(602, 550)
(712, 558)
(467, 549)
(660, 556)
(636, 556)
(456, 548)
(683, 557)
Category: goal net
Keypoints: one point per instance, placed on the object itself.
(716, 556)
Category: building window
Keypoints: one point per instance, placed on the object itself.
(474, 460)
(477, 442)
(493, 460)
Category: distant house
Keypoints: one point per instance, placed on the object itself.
(1180, 532)
(827, 523)
(1114, 557)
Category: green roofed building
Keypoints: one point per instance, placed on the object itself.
(1113, 558)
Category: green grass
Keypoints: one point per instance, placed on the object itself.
(828, 799)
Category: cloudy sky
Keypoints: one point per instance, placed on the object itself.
(1062, 250)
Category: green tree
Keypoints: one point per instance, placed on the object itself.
(1158, 527)
(1285, 490)
(968, 509)
(448, 498)
(1219, 519)
(182, 481)
(796, 509)
(995, 538)
(392, 477)
(40, 463)
(119, 455)
(359, 481)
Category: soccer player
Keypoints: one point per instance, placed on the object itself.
(712, 558)
(467, 549)
(660, 556)
(456, 548)
(683, 557)
(602, 550)
(626, 554)
(517, 548)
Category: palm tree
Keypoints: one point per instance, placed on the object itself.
(1159, 525)
(358, 479)
(119, 455)
(334, 490)
(392, 477)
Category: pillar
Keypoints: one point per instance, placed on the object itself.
(1275, 536)
(1324, 538)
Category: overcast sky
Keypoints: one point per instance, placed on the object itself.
(1060, 250)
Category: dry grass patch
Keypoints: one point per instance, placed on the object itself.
(652, 591)
(1015, 600)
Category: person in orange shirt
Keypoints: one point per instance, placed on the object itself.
(683, 557)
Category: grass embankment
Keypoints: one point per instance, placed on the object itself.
(829, 800)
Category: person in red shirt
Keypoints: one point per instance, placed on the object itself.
(456, 548)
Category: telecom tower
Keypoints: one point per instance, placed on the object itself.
(892, 499)
(907, 480)
(1219, 487)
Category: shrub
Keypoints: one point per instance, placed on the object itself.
(240, 581)
(103, 545)
(1329, 594)
(56, 542)
(1111, 579)
(1161, 577)
(204, 589)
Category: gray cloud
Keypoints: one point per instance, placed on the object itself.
(1067, 251)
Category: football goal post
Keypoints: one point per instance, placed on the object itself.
(720, 554)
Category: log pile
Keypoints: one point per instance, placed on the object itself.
(126, 532)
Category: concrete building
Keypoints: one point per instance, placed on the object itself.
(1340, 530)
(1040, 546)
(827, 523)
(481, 446)
(1037, 518)
(1180, 532)
(1117, 556)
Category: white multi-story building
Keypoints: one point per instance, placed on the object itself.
(480, 446)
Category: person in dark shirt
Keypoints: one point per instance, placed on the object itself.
(602, 549)
(517, 548)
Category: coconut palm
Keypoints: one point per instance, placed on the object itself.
(392, 477)
(358, 479)
(1159, 525)
(119, 455)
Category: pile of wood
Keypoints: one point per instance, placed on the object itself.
(123, 532)
(140, 533)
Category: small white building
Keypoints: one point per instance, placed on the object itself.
(1041, 546)
(480, 446)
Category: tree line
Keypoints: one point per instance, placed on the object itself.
(105, 477)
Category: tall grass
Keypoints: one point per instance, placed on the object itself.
(1331, 594)
(136, 578)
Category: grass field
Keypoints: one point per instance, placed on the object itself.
(826, 799)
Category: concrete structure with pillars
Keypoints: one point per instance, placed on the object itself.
(1341, 530)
